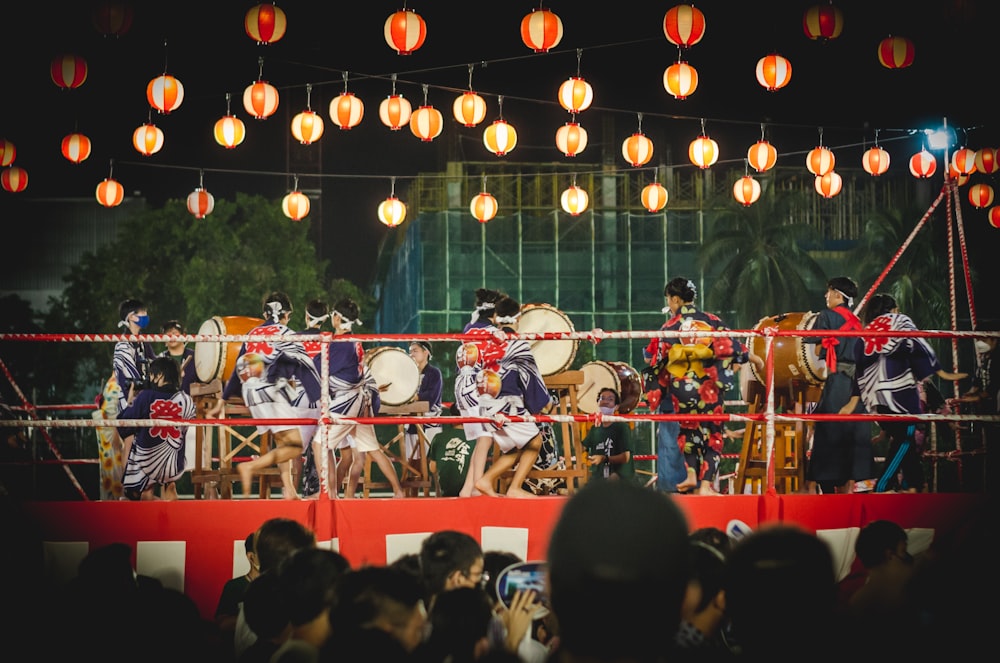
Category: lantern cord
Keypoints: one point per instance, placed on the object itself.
(500, 106)
(821, 136)
(309, 90)
(470, 76)
(260, 67)
(392, 186)
(702, 126)
(164, 56)
(111, 169)
(579, 55)
(762, 131)
(229, 98)
(394, 84)
(425, 86)
(345, 82)
(639, 117)
(201, 179)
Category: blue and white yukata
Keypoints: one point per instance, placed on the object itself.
(157, 454)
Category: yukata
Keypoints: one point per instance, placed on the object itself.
(888, 371)
(353, 393)
(698, 371)
(157, 454)
(131, 366)
(466, 392)
(429, 390)
(522, 392)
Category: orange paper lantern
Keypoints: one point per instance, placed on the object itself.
(500, 138)
(295, 205)
(762, 156)
(229, 131)
(76, 147)
(923, 164)
(68, 71)
(746, 190)
(820, 161)
(395, 111)
(200, 203)
(703, 151)
(960, 178)
(823, 22)
(654, 197)
(680, 80)
(774, 72)
(469, 109)
(574, 200)
(391, 211)
(684, 25)
(981, 195)
(964, 161)
(7, 152)
(307, 127)
(14, 179)
(147, 139)
(576, 94)
(986, 160)
(426, 123)
(875, 161)
(994, 217)
(405, 31)
(165, 93)
(110, 193)
(346, 110)
(483, 207)
(260, 99)
(265, 23)
(541, 30)
(637, 149)
(571, 139)
(895, 52)
(829, 185)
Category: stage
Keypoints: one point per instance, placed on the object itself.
(196, 545)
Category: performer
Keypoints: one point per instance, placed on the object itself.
(130, 366)
(841, 450)
(353, 393)
(317, 312)
(429, 391)
(609, 446)
(517, 388)
(157, 457)
(276, 379)
(180, 353)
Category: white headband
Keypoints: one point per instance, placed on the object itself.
(508, 319)
(315, 322)
(345, 324)
(849, 300)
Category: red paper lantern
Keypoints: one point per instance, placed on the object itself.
(110, 193)
(346, 110)
(426, 123)
(68, 71)
(391, 211)
(703, 151)
(541, 30)
(829, 185)
(684, 25)
(574, 200)
(654, 197)
(395, 111)
(7, 152)
(571, 139)
(229, 131)
(576, 94)
(14, 179)
(762, 156)
(405, 31)
(964, 161)
(820, 161)
(165, 93)
(260, 99)
(746, 190)
(147, 139)
(637, 149)
(500, 138)
(680, 80)
(307, 127)
(200, 203)
(895, 52)
(994, 217)
(953, 174)
(823, 22)
(483, 207)
(76, 147)
(774, 72)
(986, 161)
(923, 164)
(469, 109)
(875, 161)
(113, 18)
(295, 205)
(981, 195)
(265, 23)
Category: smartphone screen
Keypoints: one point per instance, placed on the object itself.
(524, 576)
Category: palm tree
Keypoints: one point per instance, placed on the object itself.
(760, 255)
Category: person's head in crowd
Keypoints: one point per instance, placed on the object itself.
(508, 310)
(251, 553)
(266, 614)
(307, 583)
(459, 626)
(421, 353)
(173, 328)
(277, 308)
(450, 559)
(344, 315)
(621, 549)
(678, 291)
(486, 300)
(879, 542)
(495, 561)
(880, 304)
(164, 371)
(845, 288)
(132, 312)
(279, 537)
(317, 312)
(715, 537)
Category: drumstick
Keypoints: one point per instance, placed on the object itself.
(585, 391)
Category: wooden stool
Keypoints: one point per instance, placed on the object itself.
(254, 442)
(412, 479)
(206, 479)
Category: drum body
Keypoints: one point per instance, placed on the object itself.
(793, 359)
(614, 374)
(552, 356)
(394, 369)
(218, 359)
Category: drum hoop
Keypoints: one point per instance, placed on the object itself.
(804, 349)
(616, 381)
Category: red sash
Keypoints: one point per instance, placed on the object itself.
(851, 323)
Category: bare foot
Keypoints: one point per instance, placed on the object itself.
(246, 477)
(706, 489)
(398, 494)
(485, 488)
(519, 493)
(689, 483)
(289, 494)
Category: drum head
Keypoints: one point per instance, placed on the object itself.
(552, 356)
(218, 359)
(394, 369)
(596, 376)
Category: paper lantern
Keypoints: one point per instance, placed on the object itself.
(469, 109)
(986, 161)
(923, 164)
(774, 72)
(994, 217)
(307, 127)
(165, 93)
(391, 211)
(576, 94)
(762, 156)
(964, 161)
(295, 205)
(346, 110)
(654, 197)
(7, 152)
(113, 18)
(953, 174)
(265, 23)
(541, 30)
(746, 190)
(229, 131)
(703, 151)
(829, 185)
(76, 147)
(483, 207)
(68, 71)
(571, 139)
(395, 111)
(875, 161)
(110, 193)
(147, 139)
(684, 25)
(680, 80)
(200, 203)
(574, 200)
(820, 161)
(981, 195)
(426, 123)
(500, 138)
(260, 99)
(14, 179)
(405, 31)
(823, 22)
(637, 149)
(895, 52)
